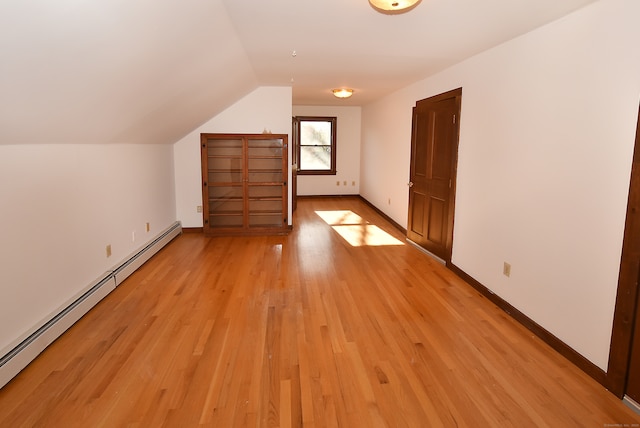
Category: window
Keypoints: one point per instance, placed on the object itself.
(316, 143)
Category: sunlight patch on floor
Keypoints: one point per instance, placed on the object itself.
(356, 231)
(340, 217)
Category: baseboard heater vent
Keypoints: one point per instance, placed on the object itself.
(26, 351)
(137, 259)
(631, 403)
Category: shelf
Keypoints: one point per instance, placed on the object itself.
(225, 213)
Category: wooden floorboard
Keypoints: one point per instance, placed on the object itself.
(303, 330)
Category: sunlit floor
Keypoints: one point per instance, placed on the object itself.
(355, 230)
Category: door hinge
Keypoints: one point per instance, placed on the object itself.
(454, 118)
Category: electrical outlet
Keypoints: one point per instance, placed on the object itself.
(148, 227)
(199, 208)
(108, 250)
(506, 269)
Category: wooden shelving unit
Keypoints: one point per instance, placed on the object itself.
(244, 184)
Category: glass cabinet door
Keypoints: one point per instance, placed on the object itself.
(266, 182)
(225, 174)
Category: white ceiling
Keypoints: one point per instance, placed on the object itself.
(347, 43)
(139, 71)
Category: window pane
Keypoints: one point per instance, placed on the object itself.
(315, 158)
(315, 133)
(315, 145)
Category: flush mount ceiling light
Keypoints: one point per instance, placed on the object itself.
(342, 92)
(393, 6)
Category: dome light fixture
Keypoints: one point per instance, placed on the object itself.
(392, 7)
(342, 92)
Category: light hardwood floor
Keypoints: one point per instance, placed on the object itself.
(302, 330)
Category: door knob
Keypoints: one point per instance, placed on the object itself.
(410, 184)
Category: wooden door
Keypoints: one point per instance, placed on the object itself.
(623, 372)
(633, 380)
(434, 147)
(633, 377)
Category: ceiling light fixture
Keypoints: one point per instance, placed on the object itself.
(393, 6)
(343, 92)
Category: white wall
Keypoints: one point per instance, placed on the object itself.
(266, 108)
(347, 153)
(546, 140)
(60, 206)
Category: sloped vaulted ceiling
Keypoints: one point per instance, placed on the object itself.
(150, 71)
(116, 71)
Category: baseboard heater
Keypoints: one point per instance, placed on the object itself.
(630, 402)
(137, 259)
(26, 351)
